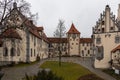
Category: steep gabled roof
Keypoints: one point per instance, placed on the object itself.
(73, 30)
(57, 40)
(115, 49)
(10, 33)
(85, 40)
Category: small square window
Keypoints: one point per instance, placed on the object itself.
(103, 22)
(117, 39)
(98, 40)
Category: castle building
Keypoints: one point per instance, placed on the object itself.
(72, 45)
(21, 40)
(106, 39)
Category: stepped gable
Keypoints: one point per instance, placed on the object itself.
(57, 40)
(10, 33)
(85, 40)
(115, 49)
(73, 30)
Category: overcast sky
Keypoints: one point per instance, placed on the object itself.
(83, 13)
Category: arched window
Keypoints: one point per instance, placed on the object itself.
(5, 52)
(12, 52)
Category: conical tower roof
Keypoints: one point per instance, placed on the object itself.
(73, 30)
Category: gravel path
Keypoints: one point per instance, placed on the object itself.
(16, 73)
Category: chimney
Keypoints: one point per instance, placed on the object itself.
(118, 17)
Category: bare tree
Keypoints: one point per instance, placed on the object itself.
(59, 33)
(7, 5)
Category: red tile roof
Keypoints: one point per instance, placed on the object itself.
(73, 30)
(85, 40)
(57, 40)
(10, 33)
(35, 33)
(40, 28)
(115, 49)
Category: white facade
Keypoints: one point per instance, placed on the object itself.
(22, 41)
(106, 37)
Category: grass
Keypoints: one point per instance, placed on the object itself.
(69, 71)
(112, 73)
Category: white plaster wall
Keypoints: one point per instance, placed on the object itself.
(89, 47)
(109, 44)
(74, 45)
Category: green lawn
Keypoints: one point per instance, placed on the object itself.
(69, 71)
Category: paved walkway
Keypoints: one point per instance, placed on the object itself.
(18, 73)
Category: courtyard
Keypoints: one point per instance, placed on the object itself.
(17, 73)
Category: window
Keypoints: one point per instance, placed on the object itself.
(31, 52)
(117, 39)
(102, 30)
(74, 36)
(111, 28)
(72, 43)
(34, 41)
(98, 40)
(5, 52)
(98, 29)
(88, 52)
(18, 52)
(34, 52)
(64, 48)
(82, 53)
(85, 48)
(103, 22)
(76, 43)
(12, 52)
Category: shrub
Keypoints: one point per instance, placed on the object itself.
(43, 75)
